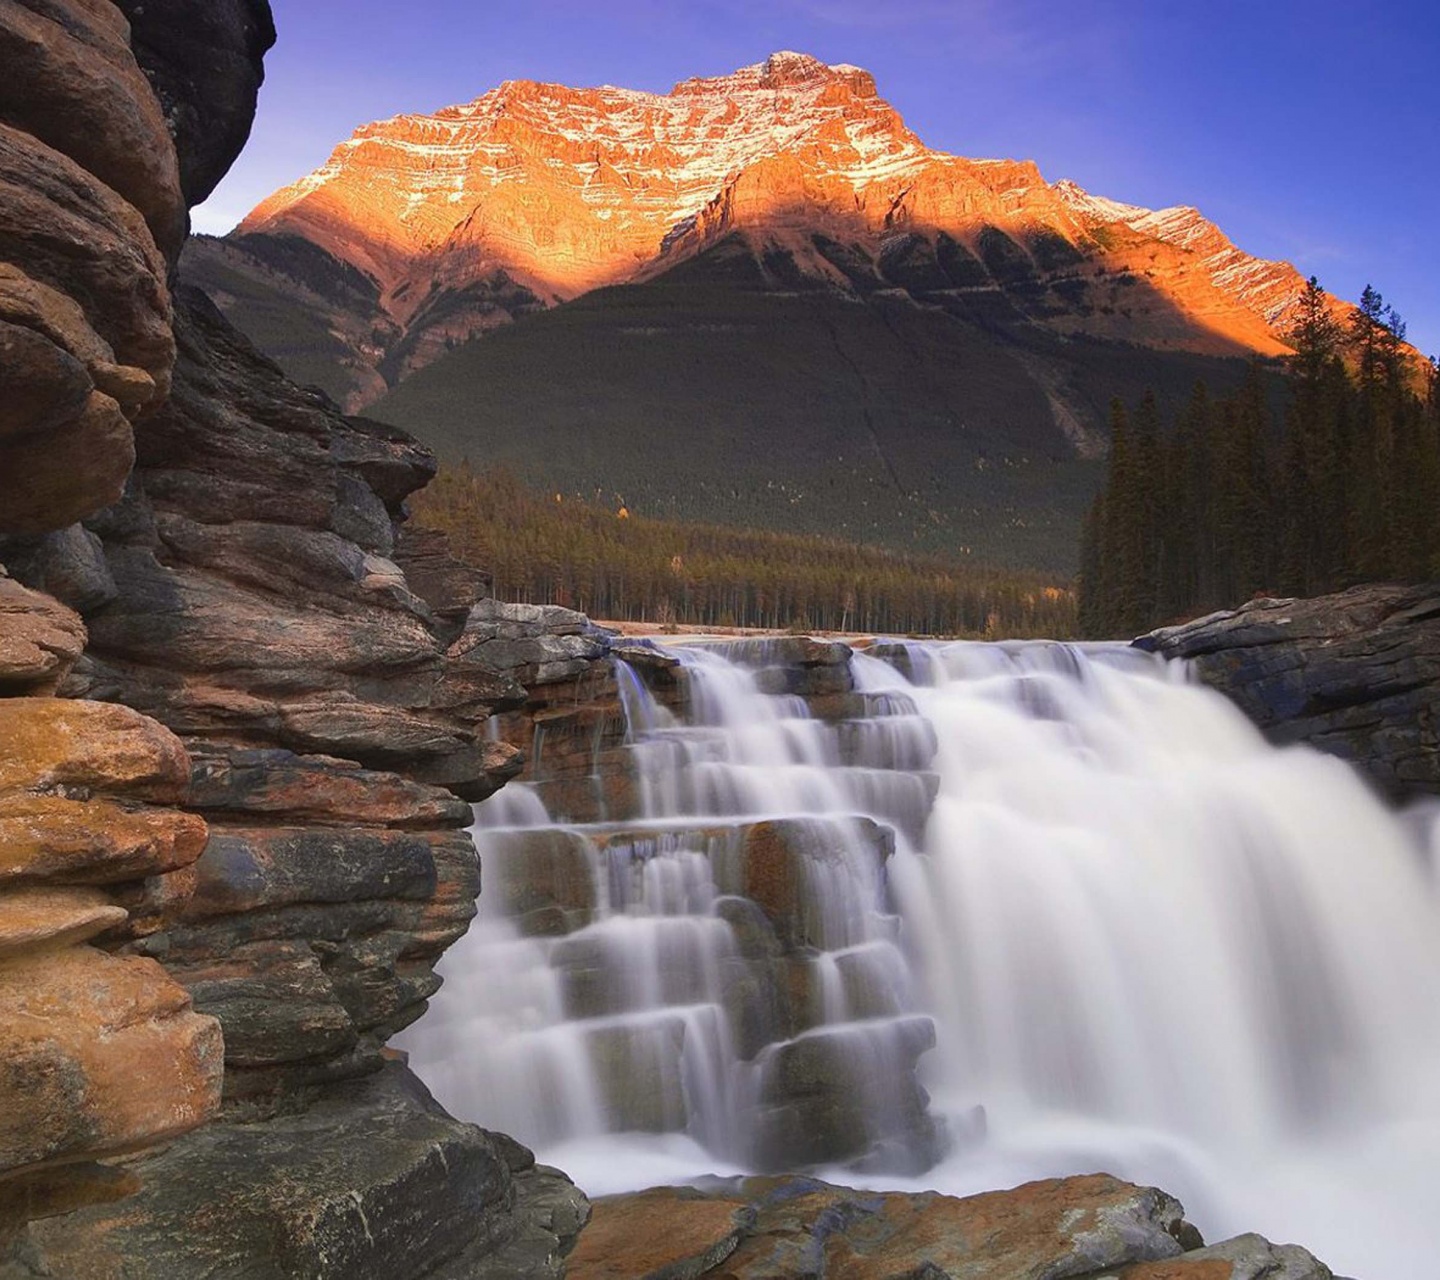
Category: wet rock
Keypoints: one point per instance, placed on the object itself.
(543, 879)
(779, 1228)
(677, 1233)
(1356, 674)
(1247, 1257)
(638, 1068)
(374, 1180)
(781, 860)
(848, 1093)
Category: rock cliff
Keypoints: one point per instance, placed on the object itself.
(239, 747)
(1356, 674)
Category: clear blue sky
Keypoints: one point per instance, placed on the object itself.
(1306, 128)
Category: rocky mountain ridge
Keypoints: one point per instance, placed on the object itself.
(535, 193)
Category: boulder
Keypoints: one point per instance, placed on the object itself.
(788, 1227)
(73, 1025)
(40, 639)
(1355, 674)
(74, 84)
(373, 1180)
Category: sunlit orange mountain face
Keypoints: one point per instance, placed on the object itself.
(763, 265)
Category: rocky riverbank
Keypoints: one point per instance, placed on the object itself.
(1355, 674)
(1095, 1228)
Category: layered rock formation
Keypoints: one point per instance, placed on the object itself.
(252, 655)
(1095, 1228)
(99, 1053)
(1356, 674)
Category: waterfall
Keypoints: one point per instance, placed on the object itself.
(995, 912)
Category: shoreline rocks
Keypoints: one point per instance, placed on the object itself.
(1355, 674)
(1091, 1227)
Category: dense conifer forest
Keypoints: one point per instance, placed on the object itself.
(559, 549)
(1229, 501)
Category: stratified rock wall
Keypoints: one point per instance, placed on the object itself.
(239, 748)
(1355, 674)
(99, 1053)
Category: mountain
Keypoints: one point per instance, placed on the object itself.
(758, 297)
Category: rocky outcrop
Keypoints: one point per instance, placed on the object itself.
(90, 203)
(100, 1053)
(374, 1180)
(239, 748)
(205, 67)
(1095, 1228)
(1356, 674)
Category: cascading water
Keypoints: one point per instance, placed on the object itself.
(1149, 943)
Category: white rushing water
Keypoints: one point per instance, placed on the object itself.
(1150, 944)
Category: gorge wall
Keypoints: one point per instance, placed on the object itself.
(238, 749)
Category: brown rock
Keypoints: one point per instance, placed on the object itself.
(35, 916)
(93, 841)
(69, 231)
(73, 1026)
(662, 1234)
(42, 386)
(791, 1228)
(317, 789)
(53, 743)
(71, 471)
(28, 304)
(72, 81)
(40, 639)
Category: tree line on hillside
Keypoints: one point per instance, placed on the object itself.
(1230, 502)
(553, 549)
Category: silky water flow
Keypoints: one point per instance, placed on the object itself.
(1139, 939)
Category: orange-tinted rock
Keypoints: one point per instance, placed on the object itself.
(74, 1026)
(93, 841)
(798, 1227)
(73, 82)
(53, 743)
(670, 1232)
(40, 639)
(38, 916)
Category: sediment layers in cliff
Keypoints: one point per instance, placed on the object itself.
(238, 751)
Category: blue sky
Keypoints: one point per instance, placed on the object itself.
(1306, 128)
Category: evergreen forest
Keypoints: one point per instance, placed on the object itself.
(1233, 500)
(559, 549)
